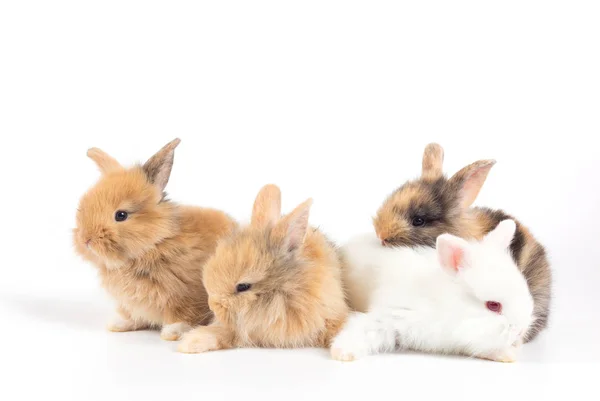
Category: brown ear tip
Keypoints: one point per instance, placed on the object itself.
(175, 142)
(483, 164)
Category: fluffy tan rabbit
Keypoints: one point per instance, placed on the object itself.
(275, 283)
(148, 250)
(423, 209)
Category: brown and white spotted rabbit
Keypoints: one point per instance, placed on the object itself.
(421, 210)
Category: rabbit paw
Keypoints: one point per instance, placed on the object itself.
(347, 350)
(197, 341)
(343, 355)
(174, 331)
(119, 324)
(507, 355)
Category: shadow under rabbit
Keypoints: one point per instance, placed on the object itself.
(74, 313)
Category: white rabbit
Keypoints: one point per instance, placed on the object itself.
(460, 298)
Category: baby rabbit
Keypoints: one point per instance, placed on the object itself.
(275, 283)
(461, 298)
(148, 250)
(421, 210)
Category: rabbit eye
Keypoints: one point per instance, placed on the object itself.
(121, 215)
(494, 306)
(243, 287)
(418, 221)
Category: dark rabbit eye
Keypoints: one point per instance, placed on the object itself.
(494, 306)
(243, 287)
(121, 215)
(418, 221)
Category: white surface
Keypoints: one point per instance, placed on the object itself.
(333, 100)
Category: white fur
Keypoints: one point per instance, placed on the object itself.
(417, 299)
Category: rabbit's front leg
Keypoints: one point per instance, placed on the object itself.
(363, 334)
(206, 338)
(122, 321)
(174, 331)
(492, 339)
(506, 355)
(173, 326)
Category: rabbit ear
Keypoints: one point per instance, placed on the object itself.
(267, 206)
(503, 234)
(451, 252)
(158, 167)
(433, 159)
(470, 179)
(294, 226)
(105, 163)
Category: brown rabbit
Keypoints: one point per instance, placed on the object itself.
(421, 210)
(276, 283)
(148, 250)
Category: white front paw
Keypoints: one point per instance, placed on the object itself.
(515, 336)
(344, 355)
(174, 331)
(346, 350)
(506, 355)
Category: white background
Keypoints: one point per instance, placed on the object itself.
(330, 100)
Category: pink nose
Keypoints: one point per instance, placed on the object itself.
(87, 243)
(384, 242)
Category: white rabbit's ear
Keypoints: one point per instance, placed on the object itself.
(451, 252)
(503, 234)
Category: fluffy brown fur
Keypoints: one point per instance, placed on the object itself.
(421, 210)
(295, 298)
(151, 263)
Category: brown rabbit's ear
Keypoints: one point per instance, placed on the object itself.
(267, 206)
(433, 159)
(470, 179)
(158, 167)
(293, 227)
(105, 163)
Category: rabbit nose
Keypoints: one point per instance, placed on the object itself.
(384, 242)
(87, 242)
